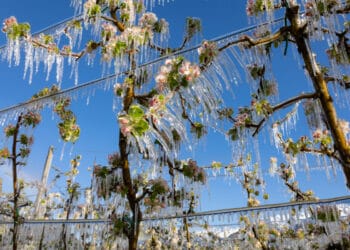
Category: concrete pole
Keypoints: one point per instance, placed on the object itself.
(42, 185)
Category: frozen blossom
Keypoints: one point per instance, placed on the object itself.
(255, 7)
(189, 71)
(128, 12)
(9, 23)
(108, 31)
(344, 126)
(148, 20)
(176, 72)
(207, 52)
(125, 125)
(241, 119)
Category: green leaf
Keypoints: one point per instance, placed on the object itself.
(136, 113)
(140, 127)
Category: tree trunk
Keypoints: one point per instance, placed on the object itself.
(16, 189)
(320, 85)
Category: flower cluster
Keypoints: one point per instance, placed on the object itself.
(193, 26)
(194, 172)
(4, 153)
(118, 89)
(128, 41)
(287, 175)
(9, 130)
(177, 72)
(134, 122)
(114, 159)
(135, 35)
(207, 52)
(148, 20)
(15, 30)
(322, 136)
(255, 7)
(158, 187)
(115, 47)
(108, 31)
(251, 183)
(161, 26)
(31, 119)
(241, 119)
(46, 92)
(91, 10)
(127, 12)
(157, 107)
(25, 140)
(68, 129)
(320, 7)
(9, 23)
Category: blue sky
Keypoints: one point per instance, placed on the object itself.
(97, 119)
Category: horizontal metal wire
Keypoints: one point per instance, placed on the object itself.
(345, 199)
(111, 76)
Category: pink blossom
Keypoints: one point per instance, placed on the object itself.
(250, 7)
(168, 61)
(123, 120)
(8, 23)
(124, 124)
(161, 80)
(107, 27)
(165, 69)
(125, 130)
(154, 102)
(191, 72)
(317, 134)
(241, 119)
(108, 30)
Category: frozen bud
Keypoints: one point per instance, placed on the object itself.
(8, 23)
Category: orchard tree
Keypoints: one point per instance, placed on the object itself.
(156, 111)
(149, 130)
(20, 149)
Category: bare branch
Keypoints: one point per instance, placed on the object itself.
(164, 51)
(342, 82)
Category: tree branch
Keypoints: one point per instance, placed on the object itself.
(260, 41)
(164, 51)
(345, 84)
(320, 86)
(281, 106)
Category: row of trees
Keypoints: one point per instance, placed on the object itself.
(147, 175)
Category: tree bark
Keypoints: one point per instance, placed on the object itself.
(303, 44)
(16, 189)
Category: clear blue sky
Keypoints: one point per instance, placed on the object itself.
(97, 119)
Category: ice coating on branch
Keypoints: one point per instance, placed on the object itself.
(29, 61)
(77, 5)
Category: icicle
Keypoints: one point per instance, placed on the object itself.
(59, 68)
(62, 151)
(74, 71)
(50, 59)
(29, 61)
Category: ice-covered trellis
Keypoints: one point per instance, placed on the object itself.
(285, 225)
(166, 98)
